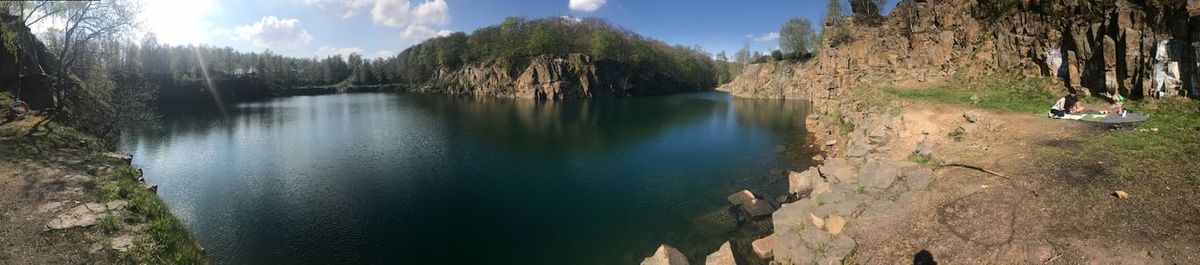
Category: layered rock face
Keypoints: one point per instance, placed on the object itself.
(1137, 49)
(551, 77)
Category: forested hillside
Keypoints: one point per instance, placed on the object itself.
(515, 40)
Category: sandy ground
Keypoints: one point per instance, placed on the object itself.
(1039, 213)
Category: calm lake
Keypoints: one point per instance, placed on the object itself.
(386, 178)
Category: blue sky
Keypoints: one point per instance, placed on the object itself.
(375, 28)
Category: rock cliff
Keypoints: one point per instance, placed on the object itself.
(1137, 48)
(550, 77)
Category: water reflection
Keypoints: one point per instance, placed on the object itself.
(405, 178)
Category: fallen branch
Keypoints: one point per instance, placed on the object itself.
(981, 169)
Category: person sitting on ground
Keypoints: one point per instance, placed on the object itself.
(1072, 104)
(1065, 105)
(1060, 108)
(1117, 102)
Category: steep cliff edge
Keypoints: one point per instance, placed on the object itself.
(1140, 50)
(550, 77)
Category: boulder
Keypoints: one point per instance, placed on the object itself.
(971, 117)
(666, 255)
(878, 175)
(801, 182)
(123, 243)
(763, 247)
(757, 208)
(741, 197)
(838, 170)
(723, 256)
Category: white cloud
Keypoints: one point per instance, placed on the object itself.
(400, 13)
(350, 6)
(586, 5)
(272, 32)
(768, 37)
(415, 33)
(326, 51)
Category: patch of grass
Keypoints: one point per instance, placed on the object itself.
(1148, 150)
(167, 241)
(924, 160)
(957, 134)
(109, 224)
(845, 126)
(995, 92)
(1088, 191)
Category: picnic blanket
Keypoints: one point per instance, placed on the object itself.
(1096, 116)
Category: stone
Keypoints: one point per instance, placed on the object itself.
(838, 170)
(49, 207)
(1121, 194)
(834, 224)
(84, 215)
(123, 156)
(878, 175)
(723, 256)
(122, 243)
(918, 178)
(666, 255)
(817, 221)
(971, 117)
(763, 247)
(757, 208)
(859, 151)
(831, 143)
(80, 216)
(741, 197)
(801, 182)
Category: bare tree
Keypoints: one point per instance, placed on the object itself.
(87, 22)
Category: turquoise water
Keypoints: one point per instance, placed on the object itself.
(426, 179)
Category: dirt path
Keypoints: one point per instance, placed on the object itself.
(1054, 207)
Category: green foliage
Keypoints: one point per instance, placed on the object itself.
(168, 241)
(996, 9)
(996, 92)
(109, 224)
(957, 134)
(516, 39)
(923, 159)
(836, 31)
(797, 36)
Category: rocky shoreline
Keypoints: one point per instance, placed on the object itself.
(857, 177)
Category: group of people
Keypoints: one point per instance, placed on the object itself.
(1070, 104)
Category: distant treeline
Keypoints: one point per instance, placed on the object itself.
(516, 39)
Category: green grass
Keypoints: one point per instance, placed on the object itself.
(957, 134)
(167, 241)
(1137, 154)
(997, 92)
(1141, 153)
(924, 160)
(1089, 191)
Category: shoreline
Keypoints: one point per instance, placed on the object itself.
(67, 200)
